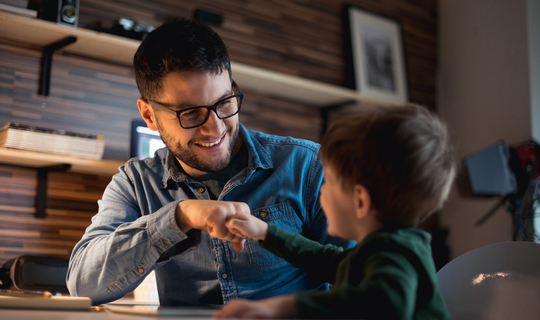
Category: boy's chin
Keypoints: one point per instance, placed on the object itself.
(338, 234)
(333, 233)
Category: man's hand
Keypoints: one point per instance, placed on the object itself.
(246, 226)
(278, 307)
(211, 216)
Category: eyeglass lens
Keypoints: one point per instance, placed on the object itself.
(197, 116)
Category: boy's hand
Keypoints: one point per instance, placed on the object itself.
(278, 307)
(244, 225)
(211, 216)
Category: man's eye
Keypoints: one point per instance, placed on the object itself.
(225, 102)
(190, 114)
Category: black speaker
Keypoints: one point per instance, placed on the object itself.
(36, 273)
(64, 12)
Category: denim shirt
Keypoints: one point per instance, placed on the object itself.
(135, 231)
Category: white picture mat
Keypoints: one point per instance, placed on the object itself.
(362, 22)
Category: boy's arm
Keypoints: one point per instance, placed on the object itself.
(320, 261)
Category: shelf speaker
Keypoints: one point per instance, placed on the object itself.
(64, 12)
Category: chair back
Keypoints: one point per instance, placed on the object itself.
(497, 281)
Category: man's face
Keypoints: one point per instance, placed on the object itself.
(207, 148)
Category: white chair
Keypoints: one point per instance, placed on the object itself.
(497, 281)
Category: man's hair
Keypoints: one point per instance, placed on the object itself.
(401, 154)
(178, 45)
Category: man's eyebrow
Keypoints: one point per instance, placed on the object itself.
(191, 105)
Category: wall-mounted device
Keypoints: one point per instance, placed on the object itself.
(64, 12)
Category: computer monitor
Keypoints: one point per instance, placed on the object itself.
(144, 142)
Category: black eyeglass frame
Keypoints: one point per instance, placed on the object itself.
(213, 107)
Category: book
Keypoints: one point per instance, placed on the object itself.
(17, 299)
(82, 145)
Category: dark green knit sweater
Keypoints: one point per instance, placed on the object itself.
(389, 275)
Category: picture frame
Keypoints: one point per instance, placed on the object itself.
(375, 59)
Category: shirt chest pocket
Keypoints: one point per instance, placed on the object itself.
(281, 215)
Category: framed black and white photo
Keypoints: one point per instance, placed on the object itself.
(376, 59)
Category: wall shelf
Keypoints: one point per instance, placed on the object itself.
(46, 162)
(39, 160)
(106, 47)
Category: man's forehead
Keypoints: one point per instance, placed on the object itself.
(194, 88)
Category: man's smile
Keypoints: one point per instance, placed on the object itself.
(211, 144)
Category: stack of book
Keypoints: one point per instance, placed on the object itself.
(17, 6)
(18, 136)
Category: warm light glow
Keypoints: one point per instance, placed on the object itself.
(483, 276)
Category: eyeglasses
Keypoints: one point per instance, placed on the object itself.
(197, 116)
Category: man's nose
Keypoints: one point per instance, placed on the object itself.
(213, 126)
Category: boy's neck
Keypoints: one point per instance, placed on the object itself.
(368, 225)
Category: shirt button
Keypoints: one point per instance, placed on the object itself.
(224, 276)
(263, 214)
(141, 270)
(201, 190)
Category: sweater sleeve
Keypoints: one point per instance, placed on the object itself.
(387, 291)
(319, 261)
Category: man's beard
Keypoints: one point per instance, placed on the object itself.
(191, 159)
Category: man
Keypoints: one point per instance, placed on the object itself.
(161, 213)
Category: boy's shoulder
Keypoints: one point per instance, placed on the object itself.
(405, 240)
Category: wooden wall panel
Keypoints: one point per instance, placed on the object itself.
(298, 37)
(72, 201)
(303, 38)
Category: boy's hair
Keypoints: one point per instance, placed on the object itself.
(400, 154)
(178, 45)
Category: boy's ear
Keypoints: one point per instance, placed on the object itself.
(362, 201)
(147, 113)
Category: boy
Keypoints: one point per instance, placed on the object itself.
(386, 170)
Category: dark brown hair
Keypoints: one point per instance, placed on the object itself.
(401, 154)
(178, 45)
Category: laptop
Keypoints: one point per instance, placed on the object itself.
(157, 311)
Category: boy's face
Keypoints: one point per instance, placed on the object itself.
(338, 205)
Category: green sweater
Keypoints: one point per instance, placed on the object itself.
(389, 275)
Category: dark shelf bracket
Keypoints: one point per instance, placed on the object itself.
(46, 63)
(41, 196)
(326, 109)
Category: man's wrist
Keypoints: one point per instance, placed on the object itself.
(181, 218)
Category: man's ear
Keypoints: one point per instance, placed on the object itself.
(147, 113)
(362, 201)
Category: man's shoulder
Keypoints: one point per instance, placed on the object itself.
(154, 164)
(266, 139)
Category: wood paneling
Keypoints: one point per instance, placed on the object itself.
(71, 203)
(300, 37)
